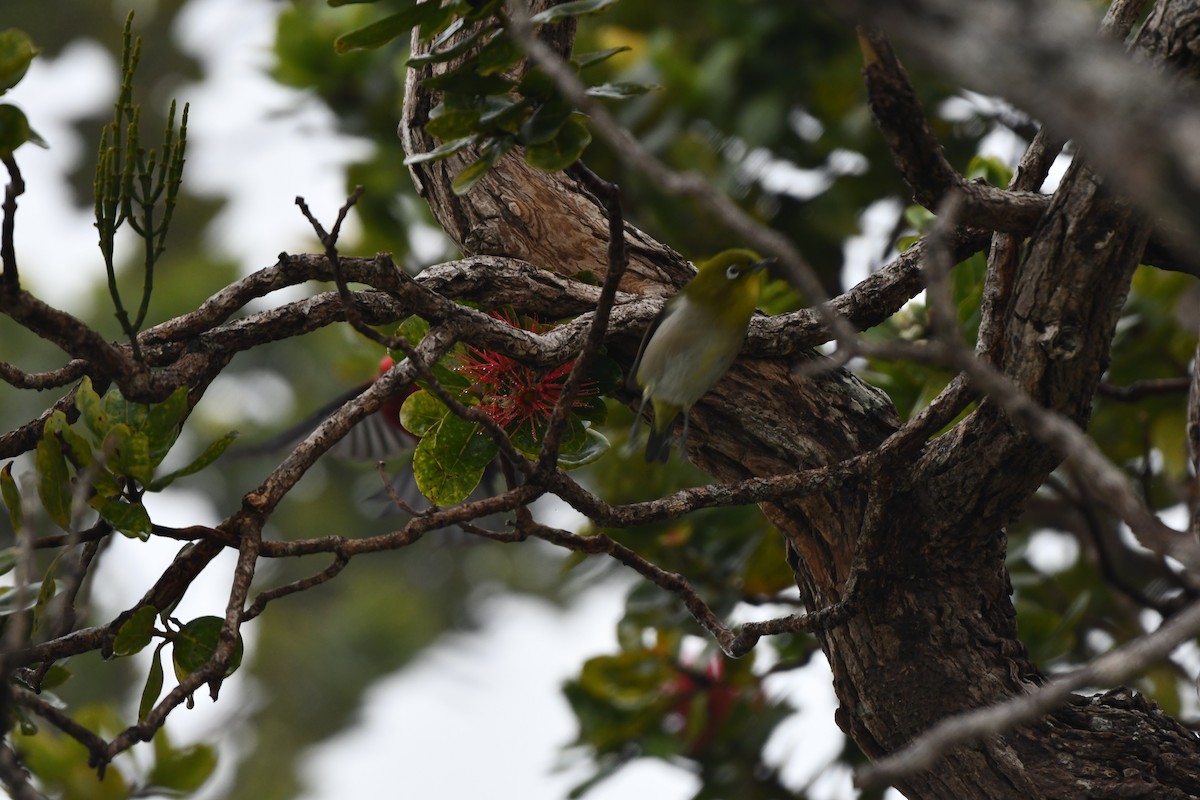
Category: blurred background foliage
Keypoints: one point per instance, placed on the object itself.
(764, 99)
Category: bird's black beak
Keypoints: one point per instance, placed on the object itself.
(766, 262)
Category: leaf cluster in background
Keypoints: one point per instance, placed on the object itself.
(111, 463)
(484, 106)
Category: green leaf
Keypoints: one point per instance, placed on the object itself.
(450, 53)
(564, 150)
(452, 124)
(620, 90)
(15, 130)
(56, 676)
(595, 445)
(8, 559)
(379, 33)
(421, 412)
(585, 60)
(95, 416)
(120, 410)
(16, 51)
(466, 80)
(54, 482)
(128, 453)
(181, 770)
(591, 408)
(12, 501)
(443, 150)
(210, 454)
(45, 595)
(12, 601)
(154, 683)
(465, 180)
(163, 422)
(196, 643)
(449, 463)
(499, 54)
(136, 632)
(577, 8)
(503, 113)
(545, 123)
(130, 519)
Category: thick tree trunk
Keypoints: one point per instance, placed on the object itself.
(935, 631)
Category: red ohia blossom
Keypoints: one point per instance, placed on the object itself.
(513, 393)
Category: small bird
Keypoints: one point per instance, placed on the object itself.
(693, 341)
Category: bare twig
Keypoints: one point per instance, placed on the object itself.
(8, 255)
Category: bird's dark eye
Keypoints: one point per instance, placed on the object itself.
(732, 272)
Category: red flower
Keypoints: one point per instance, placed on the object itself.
(512, 393)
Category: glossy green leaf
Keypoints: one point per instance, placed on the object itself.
(195, 644)
(210, 454)
(91, 408)
(452, 124)
(136, 632)
(12, 601)
(45, 595)
(163, 422)
(449, 463)
(437, 56)
(443, 150)
(564, 150)
(15, 130)
(499, 54)
(154, 683)
(8, 559)
(54, 481)
(546, 122)
(585, 60)
(379, 33)
(181, 770)
(595, 445)
(128, 453)
(465, 79)
(130, 519)
(577, 8)
(620, 90)
(56, 676)
(16, 51)
(592, 408)
(121, 411)
(422, 411)
(12, 500)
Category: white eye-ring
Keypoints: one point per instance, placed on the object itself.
(732, 272)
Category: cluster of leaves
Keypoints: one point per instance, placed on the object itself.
(108, 467)
(16, 53)
(484, 106)
(114, 460)
(192, 645)
(650, 701)
(453, 453)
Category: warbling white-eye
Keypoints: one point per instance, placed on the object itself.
(693, 341)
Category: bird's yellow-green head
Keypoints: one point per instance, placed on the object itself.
(730, 282)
